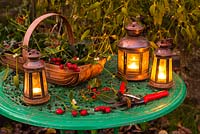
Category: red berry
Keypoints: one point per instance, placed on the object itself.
(83, 112)
(106, 89)
(94, 90)
(98, 92)
(74, 113)
(101, 108)
(61, 66)
(69, 65)
(57, 62)
(77, 69)
(53, 59)
(75, 58)
(94, 97)
(88, 87)
(74, 66)
(96, 109)
(59, 111)
(107, 110)
(58, 59)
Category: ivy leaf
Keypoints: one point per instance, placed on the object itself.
(85, 34)
(152, 9)
(93, 6)
(6, 73)
(75, 107)
(124, 11)
(71, 96)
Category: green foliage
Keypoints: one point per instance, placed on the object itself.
(102, 22)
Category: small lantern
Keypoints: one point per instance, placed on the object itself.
(133, 54)
(35, 83)
(161, 73)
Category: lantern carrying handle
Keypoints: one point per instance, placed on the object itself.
(36, 22)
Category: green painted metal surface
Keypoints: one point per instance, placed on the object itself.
(11, 105)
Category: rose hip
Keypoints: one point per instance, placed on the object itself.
(61, 66)
(69, 65)
(74, 113)
(59, 111)
(83, 112)
(57, 62)
(53, 59)
(107, 110)
(77, 69)
(74, 66)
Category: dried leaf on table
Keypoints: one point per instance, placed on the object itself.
(94, 83)
(107, 97)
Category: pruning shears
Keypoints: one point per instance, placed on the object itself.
(129, 100)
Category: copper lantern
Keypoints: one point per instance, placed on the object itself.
(161, 72)
(35, 83)
(133, 54)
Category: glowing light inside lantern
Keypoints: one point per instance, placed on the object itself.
(161, 76)
(133, 62)
(133, 66)
(37, 91)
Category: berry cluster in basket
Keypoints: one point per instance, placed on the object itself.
(70, 66)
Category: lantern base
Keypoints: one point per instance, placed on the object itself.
(135, 77)
(36, 101)
(161, 85)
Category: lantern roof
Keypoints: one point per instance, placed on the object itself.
(133, 40)
(133, 43)
(33, 62)
(164, 50)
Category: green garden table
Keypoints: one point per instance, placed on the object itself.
(11, 105)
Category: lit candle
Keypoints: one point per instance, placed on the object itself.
(133, 66)
(36, 91)
(162, 76)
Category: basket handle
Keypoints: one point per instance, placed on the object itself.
(35, 23)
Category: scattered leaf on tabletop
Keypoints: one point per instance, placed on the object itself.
(94, 83)
(16, 80)
(107, 97)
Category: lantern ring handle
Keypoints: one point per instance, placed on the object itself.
(36, 22)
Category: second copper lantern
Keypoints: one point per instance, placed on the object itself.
(161, 72)
(133, 54)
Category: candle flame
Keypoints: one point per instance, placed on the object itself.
(36, 91)
(133, 66)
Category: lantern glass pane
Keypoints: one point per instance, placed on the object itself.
(170, 69)
(133, 63)
(36, 84)
(153, 70)
(44, 81)
(26, 84)
(120, 60)
(145, 61)
(162, 73)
